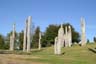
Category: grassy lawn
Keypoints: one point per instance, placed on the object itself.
(73, 55)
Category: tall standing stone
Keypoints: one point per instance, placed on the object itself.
(55, 45)
(66, 37)
(61, 35)
(29, 33)
(39, 41)
(69, 36)
(12, 38)
(60, 39)
(11, 48)
(83, 34)
(25, 36)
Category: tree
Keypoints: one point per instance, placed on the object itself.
(7, 40)
(35, 38)
(88, 41)
(21, 36)
(94, 39)
(52, 31)
(49, 35)
(1, 42)
(75, 35)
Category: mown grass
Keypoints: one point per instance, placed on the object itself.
(71, 55)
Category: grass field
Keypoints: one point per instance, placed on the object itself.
(73, 55)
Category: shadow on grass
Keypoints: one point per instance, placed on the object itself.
(37, 50)
(92, 50)
(5, 52)
(60, 54)
(19, 52)
(63, 53)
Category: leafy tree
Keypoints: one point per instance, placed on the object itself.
(75, 35)
(43, 41)
(35, 38)
(7, 40)
(21, 36)
(52, 31)
(88, 41)
(49, 35)
(94, 39)
(6, 43)
(1, 42)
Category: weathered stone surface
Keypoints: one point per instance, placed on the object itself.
(69, 37)
(61, 35)
(55, 45)
(39, 41)
(27, 35)
(12, 38)
(83, 32)
(66, 37)
(11, 44)
(63, 39)
(25, 38)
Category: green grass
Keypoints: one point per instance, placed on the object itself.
(72, 55)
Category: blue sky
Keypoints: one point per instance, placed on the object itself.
(45, 12)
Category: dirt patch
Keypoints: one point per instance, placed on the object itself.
(17, 59)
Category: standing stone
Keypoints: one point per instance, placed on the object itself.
(59, 46)
(39, 41)
(61, 35)
(29, 33)
(11, 47)
(55, 45)
(83, 34)
(66, 37)
(62, 39)
(12, 38)
(69, 36)
(59, 41)
(25, 36)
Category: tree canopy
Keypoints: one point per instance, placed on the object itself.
(52, 31)
(35, 39)
(47, 37)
